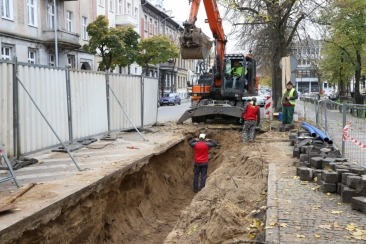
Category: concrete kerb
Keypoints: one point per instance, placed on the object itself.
(272, 228)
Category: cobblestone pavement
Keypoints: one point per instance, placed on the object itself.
(298, 212)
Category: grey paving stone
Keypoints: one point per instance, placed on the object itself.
(316, 162)
(329, 176)
(328, 187)
(326, 162)
(347, 194)
(340, 187)
(306, 174)
(340, 172)
(353, 181)
(357, 170)
(359, 203)
(345, 176)
(296, 152)
(333, 165)
(334, 154)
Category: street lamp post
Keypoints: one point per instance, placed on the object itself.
(56, 40)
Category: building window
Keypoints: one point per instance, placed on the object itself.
(150, 26)
(32, 54)
(145, 23)
(51, 60)
(155, 27)
(84, 26)
(136, 13)
(101, 3)
(129, 8)
(71, 61)
(119, 7)
(32, 12)
(51, 16)
(6, 52)
(7, 9)
(69, 21)
(111, 5)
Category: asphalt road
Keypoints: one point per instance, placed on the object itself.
(172, 113)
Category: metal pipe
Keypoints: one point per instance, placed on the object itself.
(16, 134)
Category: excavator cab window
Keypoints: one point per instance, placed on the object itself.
(234, 70)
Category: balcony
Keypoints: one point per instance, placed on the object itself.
(126, 20)
(65, 39)
(169, 66)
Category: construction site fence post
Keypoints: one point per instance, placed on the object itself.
(69, 105)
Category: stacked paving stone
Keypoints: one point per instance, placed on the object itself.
(324, 162)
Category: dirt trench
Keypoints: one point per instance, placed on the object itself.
(153, 202)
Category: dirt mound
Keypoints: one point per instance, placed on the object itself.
(232, 206)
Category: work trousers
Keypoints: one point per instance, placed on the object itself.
(249, 130)
(287, 114)
(199, 169)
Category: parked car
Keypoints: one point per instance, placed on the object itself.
(171, 98)
(261, 100)
(333, 96)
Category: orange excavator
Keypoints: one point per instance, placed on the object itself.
(218, 94)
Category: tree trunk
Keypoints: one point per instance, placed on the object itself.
(358, 98)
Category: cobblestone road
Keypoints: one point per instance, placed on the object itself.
(298, 212)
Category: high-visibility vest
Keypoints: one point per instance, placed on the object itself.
(290, 94)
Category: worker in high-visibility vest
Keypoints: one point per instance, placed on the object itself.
(237, 69)
(288, 103)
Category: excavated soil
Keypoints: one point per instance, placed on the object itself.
(156, 204)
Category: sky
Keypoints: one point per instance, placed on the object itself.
(181, 9)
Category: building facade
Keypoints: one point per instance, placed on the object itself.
(308, 53)
(46, 32)
(52, 32)
(173, 75)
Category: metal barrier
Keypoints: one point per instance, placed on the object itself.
(333, 117)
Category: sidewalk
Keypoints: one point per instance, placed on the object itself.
(59, 183)
(298, 212)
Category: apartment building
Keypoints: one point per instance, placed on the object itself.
(173, 75)
(46, 32)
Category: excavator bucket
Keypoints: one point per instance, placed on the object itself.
(194, 44)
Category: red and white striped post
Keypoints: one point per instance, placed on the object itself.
(268, 107)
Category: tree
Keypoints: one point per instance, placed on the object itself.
(154, 50)
(129, 56)
(348, 38)
(114, 45)
(268, 28)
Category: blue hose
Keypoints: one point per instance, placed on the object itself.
(317, 132)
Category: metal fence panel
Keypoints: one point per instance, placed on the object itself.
(150, 101)
(47, 88)
(88, 103)
(127, 90)
(6, 106)
(332, 117)
(355, 146)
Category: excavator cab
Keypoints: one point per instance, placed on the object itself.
(194, 44)
(234, 74)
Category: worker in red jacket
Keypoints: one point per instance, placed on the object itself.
(201, 147)
(251, 117)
